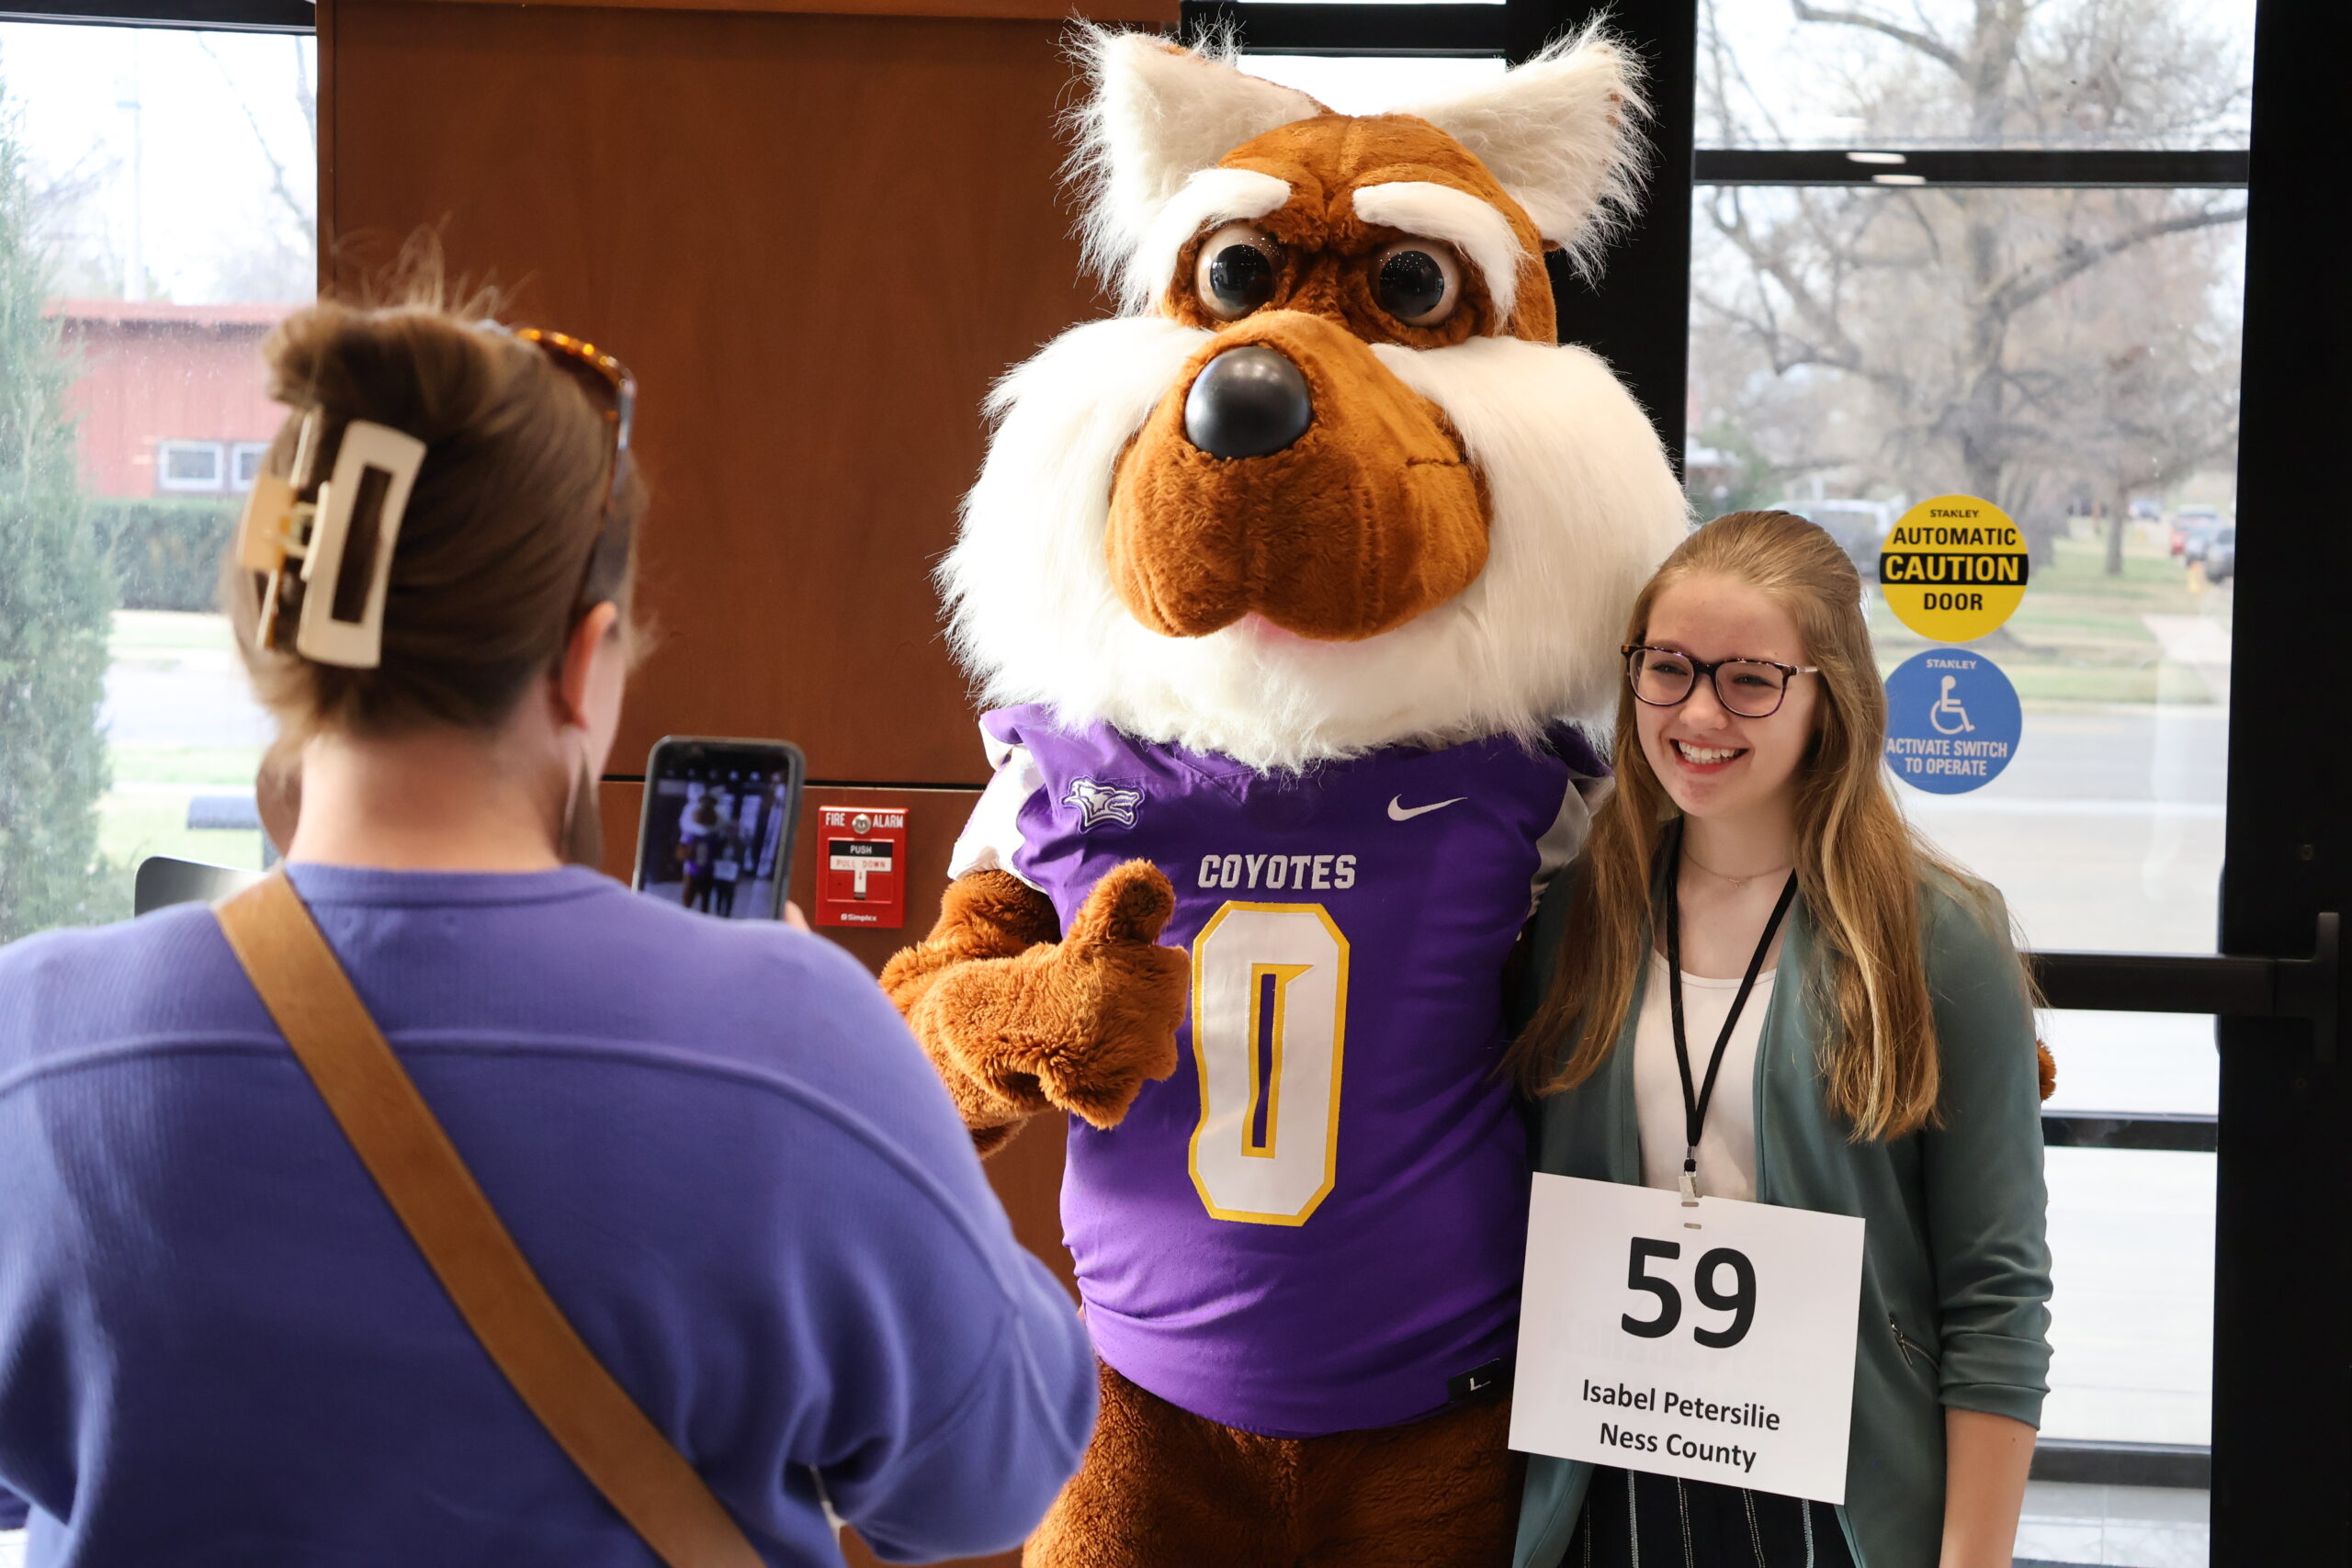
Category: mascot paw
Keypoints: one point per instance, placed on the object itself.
(1080, 1023)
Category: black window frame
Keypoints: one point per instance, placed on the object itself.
(206, 16)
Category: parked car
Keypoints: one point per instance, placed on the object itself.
(1859, 527)
(2193, 529)
(2199, 538)
(2221, 554)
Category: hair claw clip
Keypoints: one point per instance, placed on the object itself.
(344, 541)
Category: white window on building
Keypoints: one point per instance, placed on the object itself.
(190, 465)
(244, 463)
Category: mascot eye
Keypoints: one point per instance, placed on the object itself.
(1238, 270)
(1417, 281)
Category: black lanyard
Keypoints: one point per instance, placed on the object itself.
(1694, 1099)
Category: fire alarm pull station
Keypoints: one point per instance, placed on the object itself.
(864, 880)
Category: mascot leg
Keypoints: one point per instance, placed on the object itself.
(1164, 1488)
(1441, 1492)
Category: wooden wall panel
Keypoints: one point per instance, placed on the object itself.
(617, 806)
(815, 239)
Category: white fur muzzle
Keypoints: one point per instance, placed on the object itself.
(1585, 505)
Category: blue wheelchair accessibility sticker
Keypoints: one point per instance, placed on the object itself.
(1952, 721)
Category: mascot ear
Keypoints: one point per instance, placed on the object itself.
(1155, 115)
(1559, 133)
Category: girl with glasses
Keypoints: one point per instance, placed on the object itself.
(1752, 903)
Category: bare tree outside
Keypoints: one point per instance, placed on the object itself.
(278, 261)
(2057, 352)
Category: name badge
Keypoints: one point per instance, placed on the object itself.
(1714, 1342)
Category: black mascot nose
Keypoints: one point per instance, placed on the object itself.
(1246, 403)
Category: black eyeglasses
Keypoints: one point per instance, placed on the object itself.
(1751, 688)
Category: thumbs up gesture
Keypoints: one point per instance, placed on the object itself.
(1081, 1023)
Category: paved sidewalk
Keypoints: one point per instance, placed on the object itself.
(2124, 1527)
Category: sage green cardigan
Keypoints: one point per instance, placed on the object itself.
(1955, 1268)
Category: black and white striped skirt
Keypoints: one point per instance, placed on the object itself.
(1657, 1521)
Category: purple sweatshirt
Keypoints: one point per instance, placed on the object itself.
(714, 1142)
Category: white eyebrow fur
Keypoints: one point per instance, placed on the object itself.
(1475, 228)
(1211, 197)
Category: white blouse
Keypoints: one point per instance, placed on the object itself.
(1727, 1144)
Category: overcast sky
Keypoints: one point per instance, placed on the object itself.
(202, 181)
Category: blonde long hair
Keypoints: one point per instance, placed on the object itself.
(1858, 865)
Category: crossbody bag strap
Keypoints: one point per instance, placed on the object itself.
(420, 1173)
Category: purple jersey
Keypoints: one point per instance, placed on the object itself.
(1319, 1222)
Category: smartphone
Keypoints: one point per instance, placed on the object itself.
(717, 827)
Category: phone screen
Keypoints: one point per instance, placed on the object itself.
(717, 828)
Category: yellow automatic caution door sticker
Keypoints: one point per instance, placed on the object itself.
(1953, 569)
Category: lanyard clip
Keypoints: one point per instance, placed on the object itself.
(1691, 1179)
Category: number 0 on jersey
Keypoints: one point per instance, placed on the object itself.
(1270, 1002)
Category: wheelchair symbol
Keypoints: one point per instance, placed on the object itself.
(1948, 706)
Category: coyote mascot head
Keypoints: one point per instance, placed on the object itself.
(1283, 582)
(1328, 482)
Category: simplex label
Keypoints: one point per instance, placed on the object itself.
(1953, 568)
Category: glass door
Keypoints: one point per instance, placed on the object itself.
(1966, 248)
(2022, 252)
(2045, 254)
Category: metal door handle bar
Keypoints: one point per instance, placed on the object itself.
(2229, 985)
(2174, 1131)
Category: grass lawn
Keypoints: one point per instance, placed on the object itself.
(231, 767)
(2079, 635)
(133, 826)
(145, 810)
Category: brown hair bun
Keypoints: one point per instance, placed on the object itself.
(507, 540)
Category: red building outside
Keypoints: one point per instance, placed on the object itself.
(168, 398)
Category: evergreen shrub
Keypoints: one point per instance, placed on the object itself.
(165, 552)
(56, 598)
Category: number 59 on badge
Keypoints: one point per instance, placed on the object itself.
(1712, 1341)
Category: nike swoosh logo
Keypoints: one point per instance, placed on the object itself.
(1400, 812)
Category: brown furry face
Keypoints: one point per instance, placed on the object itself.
(1367, 520)
(1372, 516)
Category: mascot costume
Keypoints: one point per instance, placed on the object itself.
(1285, 578)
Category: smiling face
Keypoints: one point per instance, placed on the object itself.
(1713, 763)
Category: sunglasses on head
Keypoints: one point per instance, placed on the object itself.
(611, 390)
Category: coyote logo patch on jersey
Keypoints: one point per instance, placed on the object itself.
(1103, 803)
